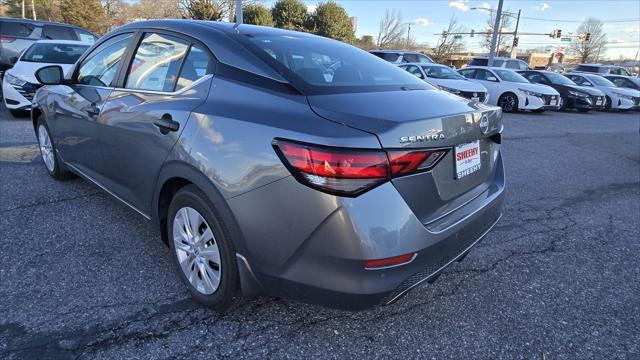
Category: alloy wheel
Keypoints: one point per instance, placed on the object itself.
(197, 250)
(508, 103)
(46, 149)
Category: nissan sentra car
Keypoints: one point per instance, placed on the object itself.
(275, 162)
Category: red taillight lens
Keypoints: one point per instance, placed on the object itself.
(6, 39)
(389, 262)
(350, 172)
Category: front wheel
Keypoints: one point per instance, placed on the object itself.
(202, 250)
(562, 104)
(508, 102)
(48, 152)
(607, 103)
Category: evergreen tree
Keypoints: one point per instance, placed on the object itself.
(290, 14)
(331, 20)
(257, 14)
(203, 9)
(88, 14)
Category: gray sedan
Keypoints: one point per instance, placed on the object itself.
(274, 162)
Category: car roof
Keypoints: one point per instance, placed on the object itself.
(423, 64)
(63, 42)
(396, 51)
(38, 22)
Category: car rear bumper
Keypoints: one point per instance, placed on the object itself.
(326, 265)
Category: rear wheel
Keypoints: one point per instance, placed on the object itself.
(17, 113)
(51, 160)
(202, 250)
(607, 103)
(508, 102)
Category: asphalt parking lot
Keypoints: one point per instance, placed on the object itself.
(83, 277)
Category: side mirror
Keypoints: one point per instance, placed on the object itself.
(50, 75)
(13, 60)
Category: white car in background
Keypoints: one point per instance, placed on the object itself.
(616, 98)
(447, 79)
(20, 84)
(511, 91)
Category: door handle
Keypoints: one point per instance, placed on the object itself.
(166, 124)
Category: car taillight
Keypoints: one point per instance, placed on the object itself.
(350, 172)
(6, 39)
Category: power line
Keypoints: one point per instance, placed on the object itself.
(513, 15)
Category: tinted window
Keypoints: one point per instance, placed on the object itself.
(589, 68)
(579, 80)
(101, 66)
(57, 33)
(156, 63)
(196, 65)
(320, 63)
(512, 65)
(410, 58)
(479, 62)
(10, 28)
(85, 36)
(600, 81)
(391, 57)
(535, 78)
(485, 75)
(54, 53)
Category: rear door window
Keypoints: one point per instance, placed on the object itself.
(479, 62)
(410, 58)
(101, 66)
(469, 73)
(57, 33)
(391, 57)
(15, 29)
(156, 63)
(424, 59)
(415, 71)
(197, 64)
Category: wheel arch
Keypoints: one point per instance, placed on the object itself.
(512, 93)
(175, 175)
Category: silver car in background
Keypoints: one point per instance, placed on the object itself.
(275, 162)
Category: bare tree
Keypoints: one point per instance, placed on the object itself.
(392, 30)
(504, 41)
(448, 43)
(590, 51)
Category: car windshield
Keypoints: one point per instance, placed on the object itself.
(508, 75)
(319, 65)
(600, 81)
(559, 79)
(441, 72)
(54, 53)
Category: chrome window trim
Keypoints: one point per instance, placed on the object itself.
(172, 93)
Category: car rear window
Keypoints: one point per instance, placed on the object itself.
(479, 62)
(593, 69)
(54, 53)
(319, 65)
(391, 57)
(15, 29)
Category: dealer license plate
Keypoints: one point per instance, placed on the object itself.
(467, 159)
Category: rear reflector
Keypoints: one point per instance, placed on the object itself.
(6, 39)
(389, 262)
(350, 172)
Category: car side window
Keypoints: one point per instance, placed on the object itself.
(512, 64)
(469, 74)
(485, 75)
(415, 71)
(156, 63)
(522, 65)
(15, 29)
(410, 58)
(423, 59)
(57, 33)
(101, 66)
(85, 36)
(196, 65)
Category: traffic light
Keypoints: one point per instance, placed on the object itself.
(558, 33)
(515, 41)
(553, 34)
(473, 32)
(445, 33)
(587, 37)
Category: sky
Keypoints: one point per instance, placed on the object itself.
(621, 19)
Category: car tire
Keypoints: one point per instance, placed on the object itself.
(607, 103)
(539, 111)
(17, 113)
(202, 250)
(50, 157)
(508, 102)
(563, 104)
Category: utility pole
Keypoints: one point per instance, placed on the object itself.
(494, 36)
(238, 12)
(23, 16)
(33, 9)
(408, 35)
(514, 49)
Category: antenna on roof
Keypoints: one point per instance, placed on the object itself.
(238, 13)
